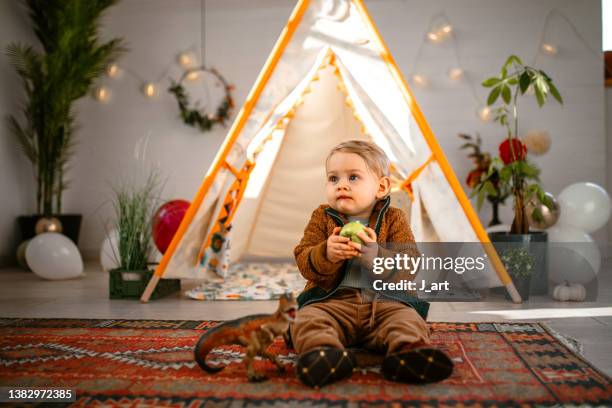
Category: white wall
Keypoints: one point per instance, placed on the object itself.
(16, 188)
(240, 34)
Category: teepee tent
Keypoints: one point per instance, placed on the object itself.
(329, 78)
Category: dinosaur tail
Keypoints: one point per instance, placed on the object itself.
(206, 343)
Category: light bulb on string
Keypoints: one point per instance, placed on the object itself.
(186, 59)
(102, 94)
(549, 49)
(440, 33)
(485, 114)
(193, 75)
(149, 89)
(433, 37)
(455, 74)
(112, 70)
(420, 80)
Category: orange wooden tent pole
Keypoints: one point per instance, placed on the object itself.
(440, 156)
(232, 136)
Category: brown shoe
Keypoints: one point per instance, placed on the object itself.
(418, 366)
(324, 365)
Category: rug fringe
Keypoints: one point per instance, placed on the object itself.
(571, 343)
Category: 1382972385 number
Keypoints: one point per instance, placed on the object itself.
(23, 394)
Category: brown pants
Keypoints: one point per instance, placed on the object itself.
(350, 319)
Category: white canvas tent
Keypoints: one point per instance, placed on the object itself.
(329, 78)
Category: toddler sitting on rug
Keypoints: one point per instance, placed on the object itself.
(338, 307)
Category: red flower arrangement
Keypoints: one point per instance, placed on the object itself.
(496, 189)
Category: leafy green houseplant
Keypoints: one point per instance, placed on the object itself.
(519, 263)
(512, 166)
(134, 210)
(54, 76)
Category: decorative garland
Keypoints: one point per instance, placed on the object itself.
(193, 116)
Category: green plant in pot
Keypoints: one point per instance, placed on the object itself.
(513, 166)
(134, 210)
(54, 76)
(519, 263)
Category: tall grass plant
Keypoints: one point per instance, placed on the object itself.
(134, 210)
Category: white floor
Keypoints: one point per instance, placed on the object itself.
(22, 294)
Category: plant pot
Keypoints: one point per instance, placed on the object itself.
(522, 285)
(536, 243)
(71, 225)
(130, 284)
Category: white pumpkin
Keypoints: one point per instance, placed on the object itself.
(569, 291)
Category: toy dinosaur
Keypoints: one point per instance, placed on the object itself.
(255, 332)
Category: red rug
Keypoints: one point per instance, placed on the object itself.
(133, 363)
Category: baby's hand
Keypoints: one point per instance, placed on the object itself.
(369, 248)
(338, 248)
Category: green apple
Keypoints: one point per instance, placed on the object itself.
(351, 230)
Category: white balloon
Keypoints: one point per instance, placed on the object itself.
(585, 206)
(573, 256)
(109, 252)
(54, 256)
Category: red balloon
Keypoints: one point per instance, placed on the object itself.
(166, 222)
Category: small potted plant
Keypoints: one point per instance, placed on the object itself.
(134, 209)
(520, 264)
(54, 76)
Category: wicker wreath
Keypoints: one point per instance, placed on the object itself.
(194, 116)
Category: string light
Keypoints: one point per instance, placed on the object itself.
(437, 35)
(193, 76)
(549, 49)
(440, 33)
(455, 74)
(149, 89)
(112, 70)
(419, 80)
(102, 94)
(433, 37)
(485, 114)
(185, 59)
(440, 28)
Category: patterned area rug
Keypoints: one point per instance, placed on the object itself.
(134, 363)
(252, 281)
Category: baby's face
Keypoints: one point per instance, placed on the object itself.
(352, 188)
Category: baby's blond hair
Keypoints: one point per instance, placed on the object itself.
(375, 158)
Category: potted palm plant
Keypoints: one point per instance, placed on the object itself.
(54, 76)
(513, 166)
